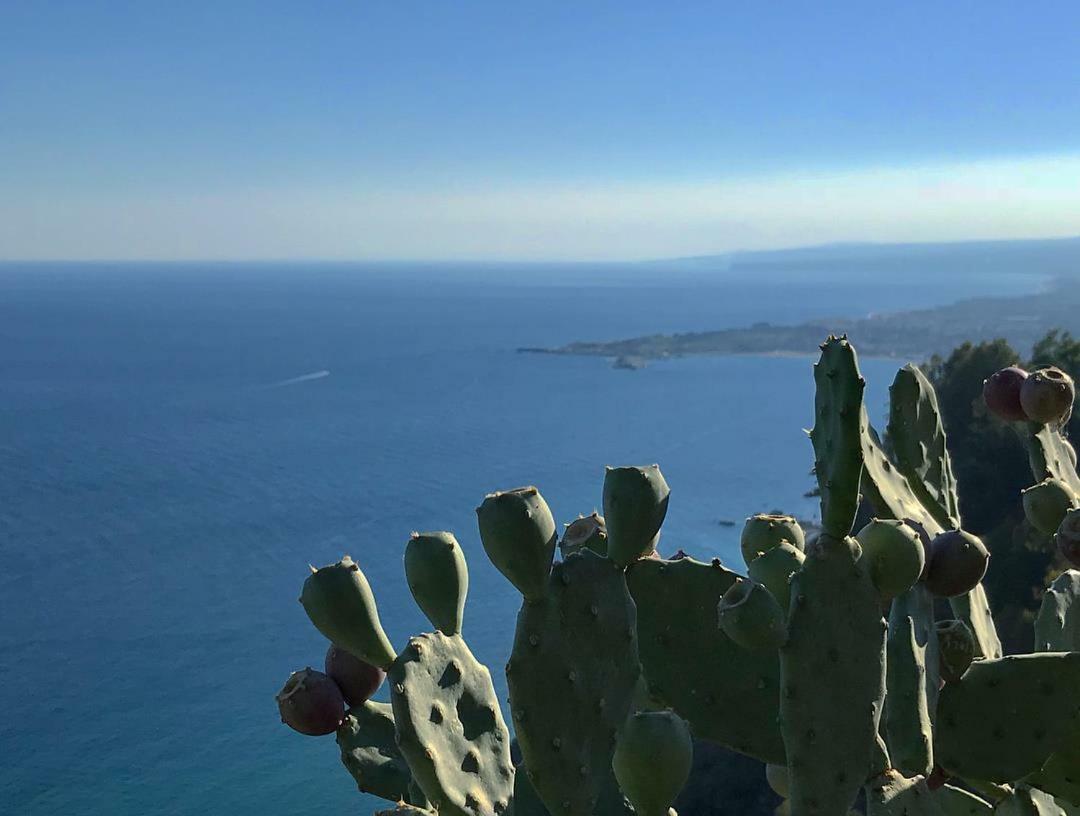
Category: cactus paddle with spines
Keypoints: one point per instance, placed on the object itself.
(339, 601)
(764, 531)
(907, 714)
(1046, 503)
(774, 569)
(652, 760)
(727, 694)
(438, 578)
(1051, 456)
(635, 505)
(1005, 718)
(894, 795)
(894, 554)
(1028, 801)
(450, 728)
(956, 645)
(1047, 396)
(585, 532)
(918, 605)
(370, 753)
(1001, 393)
(572, 676)
(958, 562)
(519, 536)
(750, 616)
(919, 444)
(1060, 776)
(838, 421)
(1067, 538)
(1057, 626)
(357, 679)
(311, 703)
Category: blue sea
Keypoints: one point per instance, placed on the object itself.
(179, 441)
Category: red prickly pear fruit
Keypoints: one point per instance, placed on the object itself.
(1068, 538)
(311, 703)
(1047, 396)
(357, 679)
(1001, 393)
(958, 561)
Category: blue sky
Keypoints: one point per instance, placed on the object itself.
(530, 130)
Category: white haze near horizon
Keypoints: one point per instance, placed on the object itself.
(1035, 197)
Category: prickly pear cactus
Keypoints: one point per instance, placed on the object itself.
(836, 436)
(652, 760)
(450, 728)
(1027, 801)
(635, 505)
(1050, 455)
(438, 578)
(1006, 717)
(907, 714)
(370, 753)
(572, 676)
(1057, 626)
(918, 439)
(1060, 776)
(893, 795)
(405, 809)
(955, 801)
(726, 693)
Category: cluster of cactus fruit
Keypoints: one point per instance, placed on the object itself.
(829, 660)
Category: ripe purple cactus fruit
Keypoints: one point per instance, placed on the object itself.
(311, 703)
(958, 562)
(1001, 393)
(357, 679)
(1068, 538)
(1047, 396)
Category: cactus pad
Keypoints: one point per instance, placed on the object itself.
(954, 801)
(370, 753)
(519, 536)
(1057, 626)
(838, 420)
(572, 676)
(1060, 776)
(892, 795)
(438, 578)
(1049, 455)
(449, 727)
(726, 694)
(1006, 717)
(832, 672)
(635, 505)
(907, 714)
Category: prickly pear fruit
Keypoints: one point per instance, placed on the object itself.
(438, 578)
(751, 617)
(339, 601)
(1046, 503)
(1047, 396)
(1001, 393)
(956, 649)
(958, 563)
(519, 536)
(763, 531)
(774, 569)
(635, 504)
(652, 760)
(895, 555)
(776, 776)
(585, 532)
(311, 703)
(1068, 538)
(357, 680)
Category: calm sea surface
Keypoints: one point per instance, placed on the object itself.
(173, 454)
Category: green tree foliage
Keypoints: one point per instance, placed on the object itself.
(991, 468)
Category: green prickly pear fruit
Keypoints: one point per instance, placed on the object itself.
(1047, 396)
(958, 563)
(777, 777)
(1068, 538)
(1046, 503)
(751, 617)
(635, 504)
(519, 536)
(1001, 393)
(956, 649)
(763, 531)
(774, 568)
(357, 679)
(339, 601)
(652, 760)
(585, 532)
(311, 703)
(438, 578)
(895, 555)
